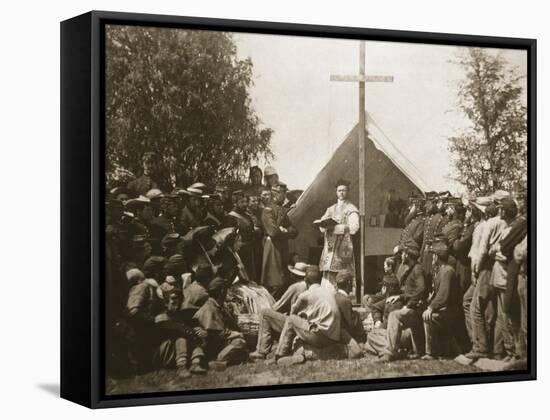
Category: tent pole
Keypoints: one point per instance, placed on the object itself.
(362, 165)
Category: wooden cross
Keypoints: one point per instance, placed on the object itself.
(363, 134)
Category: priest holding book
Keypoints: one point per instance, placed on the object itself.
(338, 224)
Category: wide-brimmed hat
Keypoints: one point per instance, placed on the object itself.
(500, 195)
(298, 269)
(170, 239)
(223, 236)
(138, 202)
(199, 233)
(154, 194)
(198, 185)
(135, 275)
(194, 192)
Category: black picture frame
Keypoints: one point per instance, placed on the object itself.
(82, 211)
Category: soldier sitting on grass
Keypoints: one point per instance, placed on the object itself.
(224, 344)
(180, 340)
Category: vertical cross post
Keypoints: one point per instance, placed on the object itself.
(362, 134)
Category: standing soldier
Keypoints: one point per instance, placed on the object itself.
(192, 214)
(143, 183)
(278, 230)
(414, 229)
(432, 225)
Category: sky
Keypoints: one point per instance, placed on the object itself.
(311, 115)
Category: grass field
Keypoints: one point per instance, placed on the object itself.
(255, 374)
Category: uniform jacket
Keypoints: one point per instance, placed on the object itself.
(275, 255)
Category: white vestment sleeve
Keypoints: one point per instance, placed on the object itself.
(353, 221)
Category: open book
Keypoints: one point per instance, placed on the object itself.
(326, 223)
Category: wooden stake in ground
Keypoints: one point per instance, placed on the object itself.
(363, 134)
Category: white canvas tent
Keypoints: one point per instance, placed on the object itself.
(386, 169)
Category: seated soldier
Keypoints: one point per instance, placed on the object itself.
(179, 343)
(380, 306)
(273, 319)
(142, 306)
(224, 344)
(196, 293)
(410, 315)
(314, 319)
(170, 244)
(352, 329)
(440, 317)
(375, 304)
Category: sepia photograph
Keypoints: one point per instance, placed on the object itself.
(284, 209)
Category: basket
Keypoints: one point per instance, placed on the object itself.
(249, 324)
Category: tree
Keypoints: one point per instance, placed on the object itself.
(184, 95)
(491, 153)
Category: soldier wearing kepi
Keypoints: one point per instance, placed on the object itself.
(414, 229)
(337, 253)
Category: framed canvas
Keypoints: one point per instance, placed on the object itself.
(258, 209)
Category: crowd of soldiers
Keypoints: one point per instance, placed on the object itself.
(181, 265)
(459, 279)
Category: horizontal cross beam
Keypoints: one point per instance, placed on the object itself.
(360, 78)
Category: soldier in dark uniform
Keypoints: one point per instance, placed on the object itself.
(144, 183)
(179, 342)
(170, 244)
(414, 229)
(223, 192)
(225, 345)
(216, 216)
(249, 237)
(278, 230)
(142, 307)
(255, 177)
(452, 229)
(142, 210)
(140, 251)
(192, 214)
(432, 225)
(167, 221)
(255, 213)
(196, 293)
